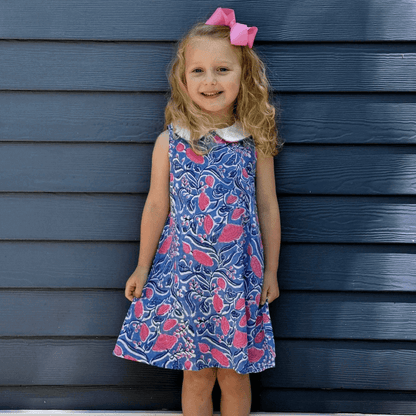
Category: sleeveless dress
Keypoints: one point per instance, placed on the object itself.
(200, 306)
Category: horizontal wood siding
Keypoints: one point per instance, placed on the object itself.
(300, 169)
(319, 315)
(109, 66)
(137, 117)
(82, 94)
(307, 20)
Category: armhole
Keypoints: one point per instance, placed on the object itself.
(170, 129)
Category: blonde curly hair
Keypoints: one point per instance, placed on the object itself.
(258, 119)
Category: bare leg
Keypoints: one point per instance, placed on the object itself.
(197, 392)
(235, 392)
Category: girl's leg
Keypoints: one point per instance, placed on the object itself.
(197, 392)
(235, 392)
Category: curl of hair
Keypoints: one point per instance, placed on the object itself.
(251, 107)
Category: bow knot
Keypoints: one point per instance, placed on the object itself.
(240, 33)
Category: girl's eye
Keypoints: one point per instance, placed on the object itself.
(198, 69)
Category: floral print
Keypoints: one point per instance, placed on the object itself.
(200, 306)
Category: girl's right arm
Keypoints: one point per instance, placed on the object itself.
(155, 212)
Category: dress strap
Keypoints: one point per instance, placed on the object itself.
(170, 128)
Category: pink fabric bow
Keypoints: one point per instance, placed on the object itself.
(240, 34)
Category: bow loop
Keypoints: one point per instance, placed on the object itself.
(222, 17)
(240, 33)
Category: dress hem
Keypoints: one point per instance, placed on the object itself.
(184, 369)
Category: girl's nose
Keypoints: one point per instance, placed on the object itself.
(210, 76)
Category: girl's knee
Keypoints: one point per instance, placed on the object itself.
(226, 373)
(204, 376)
(229, 379)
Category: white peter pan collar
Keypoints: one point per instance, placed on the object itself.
(232, 133)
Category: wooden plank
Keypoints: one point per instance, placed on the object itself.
(65, 264)
(71, 216)
(92, 398)
(62, 313)
(114, 398)
(338, 267)
(314, 219)
(347, 67)
(336, 401)
(331, 315)
(343, 365)
(347, 118)
(85, 66)
(383, 118)
(77, 362)
(348, 170)
(82, 117)
(331, 170)
(316, 364)
(113, 66)
(51, 167)
(348, 219)
(309, 21)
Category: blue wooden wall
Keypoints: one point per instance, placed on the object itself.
(82, 93)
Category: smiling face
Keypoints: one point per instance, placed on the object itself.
(212, 65)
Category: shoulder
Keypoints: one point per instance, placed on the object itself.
(163, 137)
(162, 141)
(161, 146)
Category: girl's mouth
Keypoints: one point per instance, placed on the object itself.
(212, 96)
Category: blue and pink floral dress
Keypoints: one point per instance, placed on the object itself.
(200, 306)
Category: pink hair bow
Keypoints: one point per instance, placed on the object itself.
(240, 34)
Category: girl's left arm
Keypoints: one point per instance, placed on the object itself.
(269, 217)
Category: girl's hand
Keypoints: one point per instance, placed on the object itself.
(135, 283)
(270, 288)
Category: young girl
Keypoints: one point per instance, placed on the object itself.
(204, 281)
